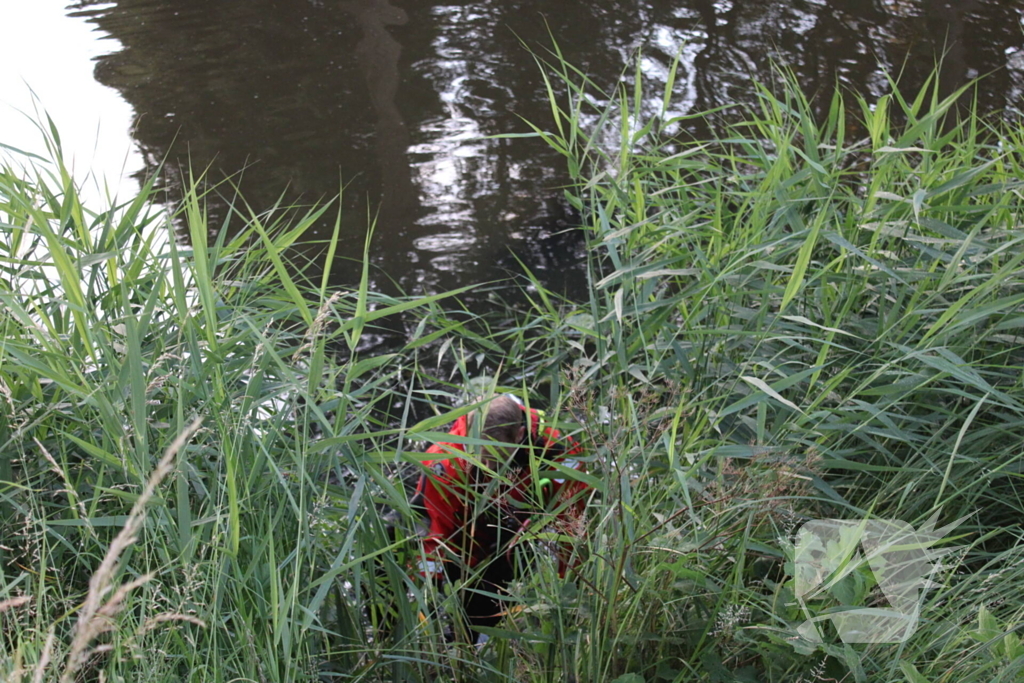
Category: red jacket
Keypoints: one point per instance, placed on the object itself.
(472, 520)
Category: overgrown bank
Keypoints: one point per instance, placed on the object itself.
(794, 321)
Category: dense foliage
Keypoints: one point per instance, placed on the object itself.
(809, 316)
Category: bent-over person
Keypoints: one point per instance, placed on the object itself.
(479, 513)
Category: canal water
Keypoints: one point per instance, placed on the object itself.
(393, 100)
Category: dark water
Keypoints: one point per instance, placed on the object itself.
(392, 100)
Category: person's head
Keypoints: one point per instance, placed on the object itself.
(503, 423)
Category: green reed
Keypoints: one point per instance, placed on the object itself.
(813, 314)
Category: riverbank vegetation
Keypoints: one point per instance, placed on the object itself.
(809, 315)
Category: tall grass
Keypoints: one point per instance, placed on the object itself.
(801, 318)
(115, 339)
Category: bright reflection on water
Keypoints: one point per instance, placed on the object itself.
(396, 100)
(44, 52)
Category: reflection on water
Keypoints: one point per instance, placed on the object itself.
(378, 55)
(47, 67)
(395, 99)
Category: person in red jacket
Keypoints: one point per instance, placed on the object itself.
(480, 508)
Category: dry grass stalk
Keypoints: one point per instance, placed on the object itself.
(95, 616)
(68, 488)
(8, 396)
(14, 602)
(153, 622)
(44, 659)
(317, 326)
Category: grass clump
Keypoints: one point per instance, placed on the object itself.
(115, 339)
(801, 318)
